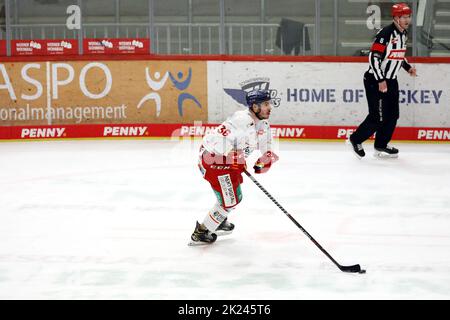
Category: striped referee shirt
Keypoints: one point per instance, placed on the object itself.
(387, 54)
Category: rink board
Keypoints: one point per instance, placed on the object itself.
(102, 92)
(156, 98)
(167, 131)
(326, 94)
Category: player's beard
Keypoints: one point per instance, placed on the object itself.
(259, 115)
(262, 117)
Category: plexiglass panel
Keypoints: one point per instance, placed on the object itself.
(235, 27)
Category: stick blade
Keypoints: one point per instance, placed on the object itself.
(352, 269)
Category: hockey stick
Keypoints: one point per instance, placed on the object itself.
(354, 268)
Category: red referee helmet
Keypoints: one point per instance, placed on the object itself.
(400, 9)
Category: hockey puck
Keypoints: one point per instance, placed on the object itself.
(362, 271)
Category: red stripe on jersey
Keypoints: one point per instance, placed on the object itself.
(378, 47)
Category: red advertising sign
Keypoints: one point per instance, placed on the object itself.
(116, 46)
(70, 47)
(44, 47)
(62, 47)
(27, 47)
(156, 130)
(2, 47)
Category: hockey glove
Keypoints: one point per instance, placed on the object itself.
(263, 164)
(238, 161)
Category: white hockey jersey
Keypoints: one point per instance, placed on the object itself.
(239, 132)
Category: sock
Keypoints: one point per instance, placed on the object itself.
(215, 217)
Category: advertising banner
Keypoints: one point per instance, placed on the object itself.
(102, 92)
(44, 47)
(62, 47)
(160, 130)
(160, 98)
(116, 46)
(328, 94)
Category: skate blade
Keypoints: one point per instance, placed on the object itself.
(349, 144)
(223, 232)
(382, 155)
(357, 155)
(198, 243)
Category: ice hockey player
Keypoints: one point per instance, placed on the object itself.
(223, 160)
(386, 58)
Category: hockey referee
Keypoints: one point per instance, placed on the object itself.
(386, 58)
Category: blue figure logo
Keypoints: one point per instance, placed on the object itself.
(182, 85)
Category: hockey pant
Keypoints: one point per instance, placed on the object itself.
(383, 113)
(226, 184)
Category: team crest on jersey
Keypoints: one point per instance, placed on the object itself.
(253, 84)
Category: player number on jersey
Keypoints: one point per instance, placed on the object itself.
(223, 130)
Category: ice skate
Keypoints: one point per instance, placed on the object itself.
(357, 148)
(224, 228)
(386, 153)
(202, 236)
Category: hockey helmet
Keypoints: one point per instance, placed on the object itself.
(400, 9)
(257, 96)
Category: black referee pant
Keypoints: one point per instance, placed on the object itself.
(383, 112)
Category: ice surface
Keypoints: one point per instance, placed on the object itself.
(111, 219)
